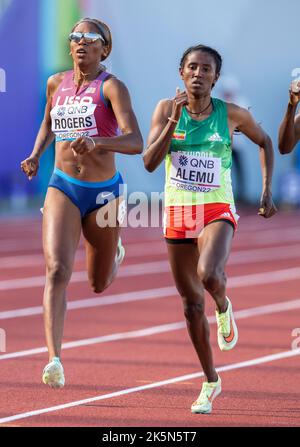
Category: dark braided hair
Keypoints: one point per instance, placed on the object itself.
(103, 30)
(217, 57)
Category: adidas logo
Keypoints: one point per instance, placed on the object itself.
(215, 137)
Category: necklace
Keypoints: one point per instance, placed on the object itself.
(78, 86)
(88, 74)
(201, 111)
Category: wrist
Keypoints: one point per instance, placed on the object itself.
(173, 119)
(267, 190)
(176, 113)
(292, 106)
(92, 141)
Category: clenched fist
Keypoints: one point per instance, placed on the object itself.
(30, 166)
(82, 145)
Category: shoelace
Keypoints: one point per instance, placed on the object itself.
(206, 391)
(223, 323)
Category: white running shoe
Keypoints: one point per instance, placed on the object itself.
(227, 330)
(209, 391)
(120, 252)
(53, 374)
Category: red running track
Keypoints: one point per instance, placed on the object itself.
(127, 357)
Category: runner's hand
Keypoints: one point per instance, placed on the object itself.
(30, 166)
(294, 97)
(81, 146)
(180, 100)
(267, 207)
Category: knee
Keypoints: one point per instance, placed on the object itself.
(192, 300)
(213, 279)
(193, 311)
(58, 272)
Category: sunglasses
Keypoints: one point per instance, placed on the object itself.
(88, 37)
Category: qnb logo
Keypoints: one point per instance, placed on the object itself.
(2, 340)
(61, 111)
(296, 342)
(2, 81)
(183, 161)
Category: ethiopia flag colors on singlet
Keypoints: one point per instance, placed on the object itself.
(179, 135)
(198, 165)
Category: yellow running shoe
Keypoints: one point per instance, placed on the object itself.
(53, 374)
(227, 330)
(209, 391)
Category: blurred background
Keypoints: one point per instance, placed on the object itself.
(258, 41)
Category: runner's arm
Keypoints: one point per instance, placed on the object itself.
(45, 135)
(131, 141)
(249, 127)
(159, 139)
(289, 130)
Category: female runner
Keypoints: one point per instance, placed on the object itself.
(193, 134)
(85, 108)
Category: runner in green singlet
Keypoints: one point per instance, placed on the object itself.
(193, 134)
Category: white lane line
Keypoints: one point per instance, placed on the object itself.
(240, 314)
(162, 292)
(277, 253)
(236, 256)
(256, 235)
(118, 298)
(132, 251)
(230, 367)
(250, 224)
(27, 243)
(27, 234)
(124, 272)
(270, 237)
(146, 268)
(102, 339)
(264, 277)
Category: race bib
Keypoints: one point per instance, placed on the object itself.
(73, 119)
(195, 174)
